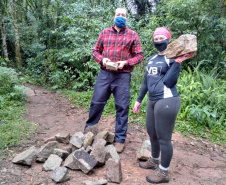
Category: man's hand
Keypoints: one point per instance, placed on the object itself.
(121, 64)
(105, 60)
(136, 108)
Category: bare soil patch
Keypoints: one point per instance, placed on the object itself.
(194, 161)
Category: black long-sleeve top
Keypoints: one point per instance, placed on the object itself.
(160, 78)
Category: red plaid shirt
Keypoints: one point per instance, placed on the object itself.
(118, 46)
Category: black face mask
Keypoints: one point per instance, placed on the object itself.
(162, 45)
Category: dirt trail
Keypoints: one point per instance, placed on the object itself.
(194, 161)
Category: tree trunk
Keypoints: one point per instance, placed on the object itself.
(17, 37)
(220, 41)
(25, 12)
(222, 8)
(131, 6)
(4, 44)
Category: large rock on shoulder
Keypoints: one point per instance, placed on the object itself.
(186, 43)
(26, 157)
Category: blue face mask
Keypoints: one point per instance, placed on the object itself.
(120, 22)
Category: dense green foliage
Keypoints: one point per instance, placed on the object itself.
(203, 98)
(203, 105)
(205, 19)
(67, 62)
(12, 127)
(57, 37)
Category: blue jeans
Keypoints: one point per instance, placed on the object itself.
(118, 85)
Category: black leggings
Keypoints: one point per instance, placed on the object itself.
(160, 121)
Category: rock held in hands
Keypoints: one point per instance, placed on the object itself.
(112, 66)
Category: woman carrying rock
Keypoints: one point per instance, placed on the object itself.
(160, 80)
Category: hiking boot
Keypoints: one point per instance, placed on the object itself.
(160, 176)
(94, 129)
(119, 147)
(149, 164)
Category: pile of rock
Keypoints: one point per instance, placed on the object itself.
(80, 152)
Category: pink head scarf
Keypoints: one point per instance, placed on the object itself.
(162, 31)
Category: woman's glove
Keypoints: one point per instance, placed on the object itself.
(136, 107)
(184, 57)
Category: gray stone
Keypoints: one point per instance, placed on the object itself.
(94, 129)
(112, 66)
(84, 161)
(63, 138)
(186, 43)
(67, 148)
(99, 154)
(102, 135)
(110, 138)
(61, 153)
(99, 141)
(74, 148)
(70, 162)
(77, 139)
(95, 182)
(60, 174)
(46, 150)
(114, 171)
(145, 151)
(26, 157)
(89, 149)
(52, 162)
(111, 152)
(88, 139)
(143, 154)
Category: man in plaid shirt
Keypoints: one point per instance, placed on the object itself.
(121, 45)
